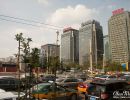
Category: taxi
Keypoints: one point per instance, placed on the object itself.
(83, 87)
(53, 91)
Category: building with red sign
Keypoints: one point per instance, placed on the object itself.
(119, 35)
(69, 46)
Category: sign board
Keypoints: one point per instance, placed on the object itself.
(118, 11)
(123, 65)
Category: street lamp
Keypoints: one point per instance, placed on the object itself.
(104, 63)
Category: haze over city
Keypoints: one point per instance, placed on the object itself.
(52, 12)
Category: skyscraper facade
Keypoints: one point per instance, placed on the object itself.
(107, 54)
(49, 51)
(69, 46)
(119, 35)
(90, 33)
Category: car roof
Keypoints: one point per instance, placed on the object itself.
(1, 90)
(7, 95)
(47, 83)
(106, 82)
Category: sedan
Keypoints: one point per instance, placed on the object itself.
(53, 91)
(108, 77)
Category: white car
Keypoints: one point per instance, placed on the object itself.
(9, 95)
(108, 77)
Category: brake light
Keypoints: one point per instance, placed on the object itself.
(104, 95)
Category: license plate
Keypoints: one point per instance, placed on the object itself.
(92, 98)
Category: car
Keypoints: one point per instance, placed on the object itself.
(47, 78)
(71, 83)
(98, 76)
(108, 77)
(9, 84)
(126, 77)
(59, 80)
(82, 76)
(104, 89)
(53, 91)
(83, 87)
(10, 95)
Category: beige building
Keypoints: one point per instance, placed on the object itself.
(49, 51)
(119, 35)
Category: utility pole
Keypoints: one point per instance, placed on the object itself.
(103, 63)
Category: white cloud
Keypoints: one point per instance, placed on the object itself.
(71, 16)
(45, 2)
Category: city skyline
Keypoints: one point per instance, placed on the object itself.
(70, 13)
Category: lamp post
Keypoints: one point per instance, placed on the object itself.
(103, 63)
(91, 63)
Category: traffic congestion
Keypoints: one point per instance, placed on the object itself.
(67, 86)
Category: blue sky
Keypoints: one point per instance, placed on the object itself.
(61, 13)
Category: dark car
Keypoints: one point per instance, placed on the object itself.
(9, 84)
(71, 83)
(104, 89)
(48, 78)
(126, 77)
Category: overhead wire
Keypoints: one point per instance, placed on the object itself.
(32, 21)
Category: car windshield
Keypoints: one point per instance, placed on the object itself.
(104, 76)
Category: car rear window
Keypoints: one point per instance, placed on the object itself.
(95, 87)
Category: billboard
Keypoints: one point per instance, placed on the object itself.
(126, 66)
(118, 11)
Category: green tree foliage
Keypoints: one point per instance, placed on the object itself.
(113, 66)
(26, 49)
(34, 57)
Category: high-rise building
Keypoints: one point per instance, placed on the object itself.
(90, 33)
(119, 35)
(49, 51)
(107, 54)
(69, 46)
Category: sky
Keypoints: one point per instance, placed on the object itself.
(60, 13)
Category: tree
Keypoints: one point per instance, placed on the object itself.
(19, 38)
(25, 48)
(34, 58)
(25, 58)
(113, 66)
